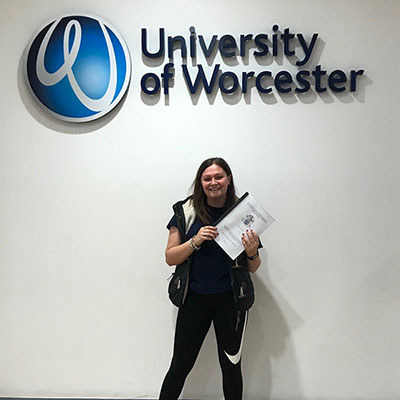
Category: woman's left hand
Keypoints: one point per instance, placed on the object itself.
(250, 242)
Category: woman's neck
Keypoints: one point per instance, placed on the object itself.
(218, 203)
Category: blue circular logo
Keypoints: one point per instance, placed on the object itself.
(78, 67)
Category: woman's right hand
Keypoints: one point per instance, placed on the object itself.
(205, 233)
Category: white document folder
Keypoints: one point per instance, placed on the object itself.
(244, 215)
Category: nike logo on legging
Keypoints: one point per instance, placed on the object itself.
(235, 358)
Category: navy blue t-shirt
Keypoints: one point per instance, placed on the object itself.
(209, 271)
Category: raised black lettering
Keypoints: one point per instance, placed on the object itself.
(304, 82)
(275, 28)
(283, 78)
(235, 82)
(172, 41)
(259, 77)
(200, 77)
(308, 49)
(227, 42)
(161, 49)
(317, 73)
(207, 50)
(261, 45)
(150, 90)
(286, 37)
(336, 77)
(193, 44)
(353, 78)
(243, 40)
(245, 77)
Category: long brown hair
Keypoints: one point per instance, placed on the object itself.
(200, 198)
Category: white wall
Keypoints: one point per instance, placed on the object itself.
(83, 304)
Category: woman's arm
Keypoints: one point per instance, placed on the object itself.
(177, 252)
(251, 242)
(253, 264)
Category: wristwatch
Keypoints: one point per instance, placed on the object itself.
(253, 257)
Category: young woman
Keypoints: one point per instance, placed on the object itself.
(210, 297)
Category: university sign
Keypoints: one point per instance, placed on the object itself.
(230, 82)
(78, 67)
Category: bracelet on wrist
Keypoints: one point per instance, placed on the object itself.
(192, 243)
(252, 258)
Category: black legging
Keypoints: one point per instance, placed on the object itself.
(193, 322)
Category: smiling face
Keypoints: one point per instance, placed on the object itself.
(215, 182)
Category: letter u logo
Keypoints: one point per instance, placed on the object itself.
(78, 67)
